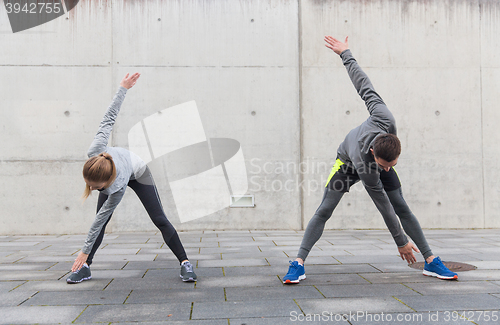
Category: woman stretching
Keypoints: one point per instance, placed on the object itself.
(110, 170)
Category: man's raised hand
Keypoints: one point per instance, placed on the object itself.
(336, 45)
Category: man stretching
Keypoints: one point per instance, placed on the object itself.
(369, 153)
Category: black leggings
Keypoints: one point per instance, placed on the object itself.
(146, 190)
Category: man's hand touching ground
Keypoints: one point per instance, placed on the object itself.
(336, 45)
(406, 252)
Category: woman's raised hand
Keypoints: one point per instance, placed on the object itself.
(129, 82)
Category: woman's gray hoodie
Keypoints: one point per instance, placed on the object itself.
(128, 166)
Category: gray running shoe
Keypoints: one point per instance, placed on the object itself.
(187, 273)
(80, 275)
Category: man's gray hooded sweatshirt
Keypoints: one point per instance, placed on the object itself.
(355, 150)
(128, 166)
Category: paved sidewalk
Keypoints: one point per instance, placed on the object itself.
(352, 278)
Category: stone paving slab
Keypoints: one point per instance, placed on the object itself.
(452, 302)
(173, 282)
(14, 298)
(271, 237)
(116, 274)
(25, 267)
(343, 268)
(135, 313)
(365, 290)
(176, 295)
(6, 286)
(291, 251)
(402, 266)
(379, 252)
(229, 239)
(131, 239)
(156, 264)
(31, 275)
(44, 259)
(425, 318)
(255, 270)
(66, 266)
(233, 262)
(405, 277)
(247, 244)
(161, 274)
(190, 322)
(486, 265)
(18, 244)
(346, 305)
(165, 250)
(207, 310)
(372, 258)
(293, 319)
(238, 281)
(131, 246)
(229, 256)
(11, 258)
(39, 315)
(328, 260)
(482, 257)
(61, 285)
(201, 244)
(479, 275)
(126, 258)
(454, 287)
(166, 255)
(272, 293)
(69, 298)
(327, 252)
(219, 250)
(119, 251)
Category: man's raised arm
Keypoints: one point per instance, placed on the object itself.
(361, 82)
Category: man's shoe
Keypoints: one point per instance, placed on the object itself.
(437, 269)
(296, 272)
(81, 275)
(187, 273)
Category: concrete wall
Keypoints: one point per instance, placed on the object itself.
(260, 74)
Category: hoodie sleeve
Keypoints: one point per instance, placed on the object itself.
(379, 112)
(375, 189)
(101, 218)
(102, 137)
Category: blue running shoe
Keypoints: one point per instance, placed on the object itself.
(296, 272)
(437, 269)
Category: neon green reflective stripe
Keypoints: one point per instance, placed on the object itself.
(335, 169)
(396, 173)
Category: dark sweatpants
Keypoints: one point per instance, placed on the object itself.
(338, 185)
(146, 190)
